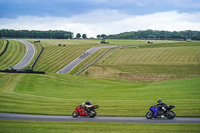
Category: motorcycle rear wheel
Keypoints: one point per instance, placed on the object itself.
(93, 114)
(149, 115)
(75, 114)
(170, 115)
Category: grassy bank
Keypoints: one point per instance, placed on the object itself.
(174, 58)
(13, 55)
(77, 127)
(60, 94)
(2, 45)
(55, 57)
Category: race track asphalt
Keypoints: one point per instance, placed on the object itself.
(30, 51)
(10, 116)
(75, 62)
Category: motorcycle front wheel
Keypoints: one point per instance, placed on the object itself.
(93, 114)
(170, 115)
(149, 115)
(75, 114)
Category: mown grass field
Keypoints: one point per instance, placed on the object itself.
(37, 47)
(13, 55)
(91, 43)
(129, 98)
(173, 58)
(1, 45)
(55, 57)
(114, 87)
(60, 94)
(98, 127)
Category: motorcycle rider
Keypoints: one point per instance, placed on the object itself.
(161, 105)
(87, 104)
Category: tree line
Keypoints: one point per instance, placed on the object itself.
(141, 34)
(155, 35)
(51, 34)
(78, 36)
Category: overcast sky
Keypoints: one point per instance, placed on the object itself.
(100, 16)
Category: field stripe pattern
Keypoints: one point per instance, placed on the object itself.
(14, 53)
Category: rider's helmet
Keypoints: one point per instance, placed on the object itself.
(159, 101)
(88, 102)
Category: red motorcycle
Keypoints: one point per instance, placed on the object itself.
(80, 111)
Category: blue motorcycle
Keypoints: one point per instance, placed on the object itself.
(157, 112)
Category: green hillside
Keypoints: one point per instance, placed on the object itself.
(127, 83)
(60, 94)
(55, 57)
(159, 59)
(13, 55)
(120, 95)
(1, 44)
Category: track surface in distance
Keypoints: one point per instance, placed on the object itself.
(30, 51)
(75, 62)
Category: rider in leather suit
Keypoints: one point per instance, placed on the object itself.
(87, 104)
(161, 105)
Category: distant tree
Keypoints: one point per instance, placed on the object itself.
(195, 38)
(66, 36)
(111, 36)
(98, 36)
(104, 36)
(78, 35)
(84, 36)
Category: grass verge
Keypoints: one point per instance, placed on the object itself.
(88, 127)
